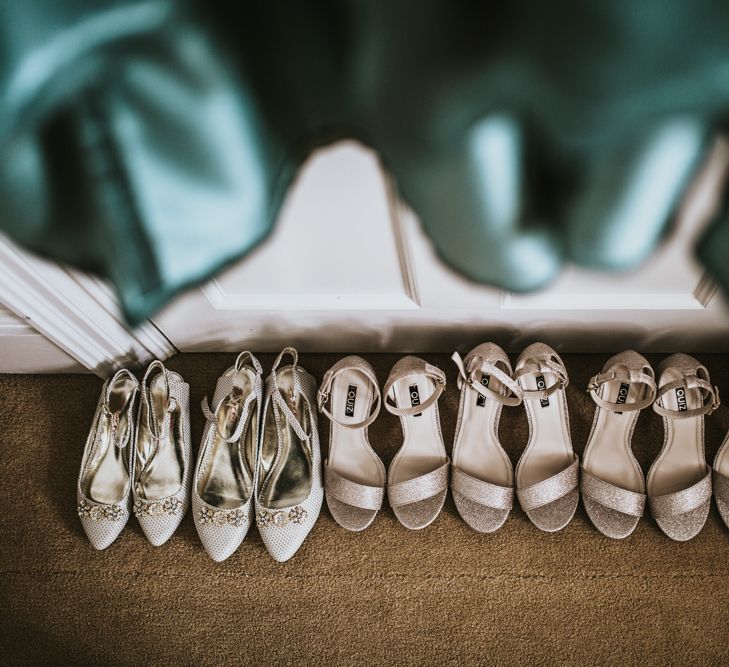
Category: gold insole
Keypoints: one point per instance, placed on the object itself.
(108, 474)
(286, 476)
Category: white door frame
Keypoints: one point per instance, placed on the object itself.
(78, 312)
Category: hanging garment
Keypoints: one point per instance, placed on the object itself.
(153, 141)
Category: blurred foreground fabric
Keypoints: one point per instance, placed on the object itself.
(152, 142)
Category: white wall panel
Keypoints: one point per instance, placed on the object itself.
(349, 268)
(24, 350)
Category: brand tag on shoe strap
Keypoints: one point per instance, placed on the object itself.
(681, 399)
(415, 398)
(351, 400)
(541, 386)
(622, 394)
(481, 399)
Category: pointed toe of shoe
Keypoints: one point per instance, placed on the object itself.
(608, 521)
(101, 534)
(481, 518)
(283, 531)
(555, 515)
(221, 531)
(422, 513)
(282, 545)
(350, 517)
(220, 542)
(683, 527)
(159, 529)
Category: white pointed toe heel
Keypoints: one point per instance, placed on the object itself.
(354, 476)
(289, 489)
(547, 475)
(103, 487)
(482, 477)
(417, 481)
(223, 483)
(612, 482)
(163, 454)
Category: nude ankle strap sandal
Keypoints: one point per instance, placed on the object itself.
(482, 477)
(417, 481)
(547, 475)
(679, 481)
(354, 476)
(612, 482)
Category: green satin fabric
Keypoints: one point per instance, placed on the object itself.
(152, 142)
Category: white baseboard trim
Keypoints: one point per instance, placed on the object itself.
(76, 312)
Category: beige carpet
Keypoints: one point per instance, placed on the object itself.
(442, 596)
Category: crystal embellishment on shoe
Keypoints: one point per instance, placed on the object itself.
(98, 512)
(281, 518)
(169, 506)
(222, 517)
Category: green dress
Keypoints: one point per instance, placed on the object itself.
(152, 142)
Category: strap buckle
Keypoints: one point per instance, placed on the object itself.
(596, 381)
(322, 398)
(716, 402)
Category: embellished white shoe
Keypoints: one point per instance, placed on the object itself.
(104, 487)
(289, 489)
(162, 467)
(222, 489)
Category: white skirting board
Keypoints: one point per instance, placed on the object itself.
(24, 350)
(76, 313)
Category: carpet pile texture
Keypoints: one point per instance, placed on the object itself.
(442, 596)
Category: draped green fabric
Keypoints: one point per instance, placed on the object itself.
(152, 142)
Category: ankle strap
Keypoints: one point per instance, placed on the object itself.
(539, 367)
(291, 351)
(245, 407)
(252, 361)
(413, 366)
(115, 417)
(324, 393)
(711, 399)
(169, 408)
(477, 365)
(278, 402)
(630, 375)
